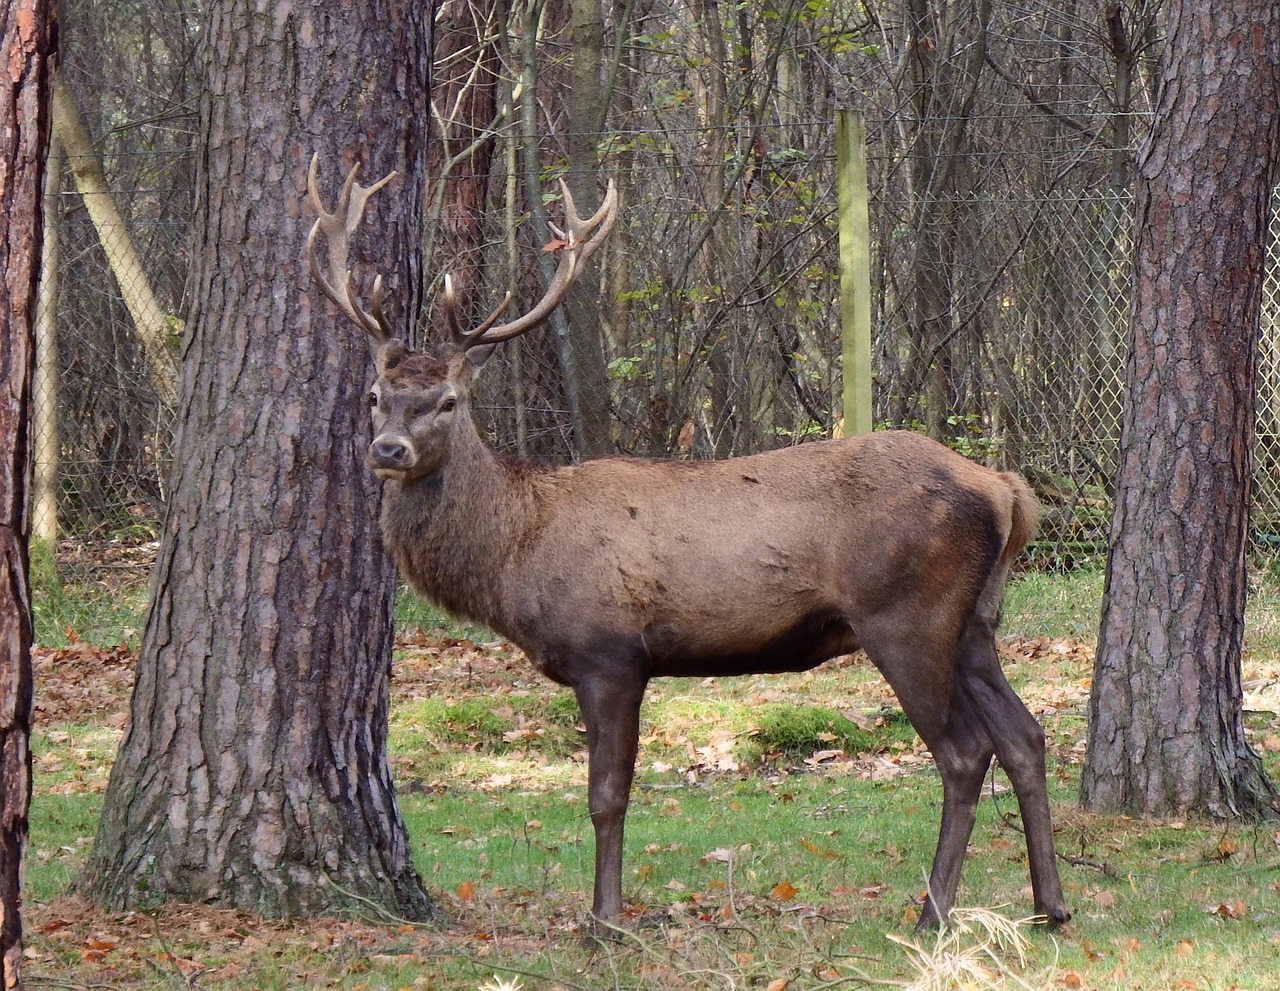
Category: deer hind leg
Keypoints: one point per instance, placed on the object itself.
(962, 752)
(923, 675)
(1020, 747)
(611, 710)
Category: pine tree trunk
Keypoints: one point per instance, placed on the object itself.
(253, 772)
(1165, 729)
(28, 28)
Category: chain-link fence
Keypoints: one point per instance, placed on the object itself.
(721, 337)
(1265, 515)
(107, 329)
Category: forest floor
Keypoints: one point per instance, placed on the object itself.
(778, 839)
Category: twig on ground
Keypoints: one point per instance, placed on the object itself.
(1107, 870)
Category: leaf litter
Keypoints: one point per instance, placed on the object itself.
(71, 940)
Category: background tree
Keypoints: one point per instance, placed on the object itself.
(253, 772)
(47, 453)
(573, 91)
(27, 31)
(128, 68)
(148, 315)
(586, 103)
(1165, 728)
(939, 75)
(464, 111)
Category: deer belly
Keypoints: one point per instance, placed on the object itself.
(719, 649)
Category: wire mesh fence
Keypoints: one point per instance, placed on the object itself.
(104, 421)
(720, 337)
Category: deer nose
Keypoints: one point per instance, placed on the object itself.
(388, 453)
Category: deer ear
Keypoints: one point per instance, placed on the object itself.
(477, 356)
(464, 366)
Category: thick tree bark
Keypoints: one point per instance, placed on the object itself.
(1165, 728)
(28, 29)
(253, 772)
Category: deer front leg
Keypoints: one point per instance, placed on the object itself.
(611, 710)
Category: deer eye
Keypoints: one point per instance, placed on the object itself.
(448, 405)
(373, 400)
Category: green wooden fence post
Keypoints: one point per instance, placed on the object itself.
(855, 269)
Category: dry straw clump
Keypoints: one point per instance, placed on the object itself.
(978, 950)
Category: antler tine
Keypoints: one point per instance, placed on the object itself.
(456, 333)
(459, 336)
(337, 227)
(577, 250)
(606, 215)
(377, 298)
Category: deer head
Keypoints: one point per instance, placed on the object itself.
(421, 398)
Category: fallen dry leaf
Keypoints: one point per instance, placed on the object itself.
(1234, 909)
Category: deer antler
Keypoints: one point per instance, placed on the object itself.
(337, 228)
(580, 244)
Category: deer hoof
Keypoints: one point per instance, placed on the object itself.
(1051, 918)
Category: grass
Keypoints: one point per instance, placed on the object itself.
(795, 732)
(780, 830)
(63, 611)
(62, 827)
(1057, 606)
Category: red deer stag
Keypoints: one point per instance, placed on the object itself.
(619, 570)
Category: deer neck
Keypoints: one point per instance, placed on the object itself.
(452, 533)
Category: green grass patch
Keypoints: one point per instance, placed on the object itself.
(690, 847)
(62, 829)
(442, 728)
(101, 612)
(794, 732)
(411, 613)
(1057, 606)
